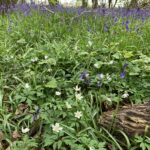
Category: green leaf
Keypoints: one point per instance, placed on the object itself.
(59, 144)
(128, 54)
(51, 84)
(83, 53)
(21, 41)
(98, 64)
(49, 140)
(50, 61)
(101, 146)
(142, 145)
(135, 71)
(116, 55)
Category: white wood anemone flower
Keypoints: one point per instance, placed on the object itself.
(101, 76)
(25, 130)
(78, 114)
(27, 86)
(91, 148)
(46, 57)
(111, 62)
(125, 95)
(34, 59)
(78, 96)
(77, 88)
(68, 105)
(57, 93)
(56, 127)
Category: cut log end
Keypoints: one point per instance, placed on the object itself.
(133, 120)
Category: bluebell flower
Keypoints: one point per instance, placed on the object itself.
(89, 29)
(115, 19)
(100, 76)
(26, 13)
(125, 66)
(123, 73)
(106, 28)
(84, 75)
(137, 28)
(99, 84)
(143, 19)
(103, 11)
(127, 25)
(9, 29)
(59, 8)
(36, 114)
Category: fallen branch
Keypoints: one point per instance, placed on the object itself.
(133, 120)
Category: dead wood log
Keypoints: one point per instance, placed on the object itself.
(133, 120)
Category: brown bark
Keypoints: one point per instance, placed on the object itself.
(133, 120)
(115, 3)
(94, 3)
(84, 3)
(109, 3)
(133, 4)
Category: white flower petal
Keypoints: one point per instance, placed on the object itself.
(27, 86)
(78, 114)
(77, 89)
(96, 65)
(91, 148)
(111, 62)
(125, 95)
(78, 96)
(68, 105)
(25, 130)
(57, 93)
(56, 127)
(46, 57)
(101, 76)
(108, 99)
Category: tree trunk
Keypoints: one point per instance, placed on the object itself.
(109, 3)
(94, 3)
(115, 3)
(133, 4)
(84, 3)
(133, 120)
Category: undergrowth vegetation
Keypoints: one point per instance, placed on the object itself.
(62, 68)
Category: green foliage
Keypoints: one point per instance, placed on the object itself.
(42, 59)
(25, 144)
(143, 143)
(54, 2)
(8, 2)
